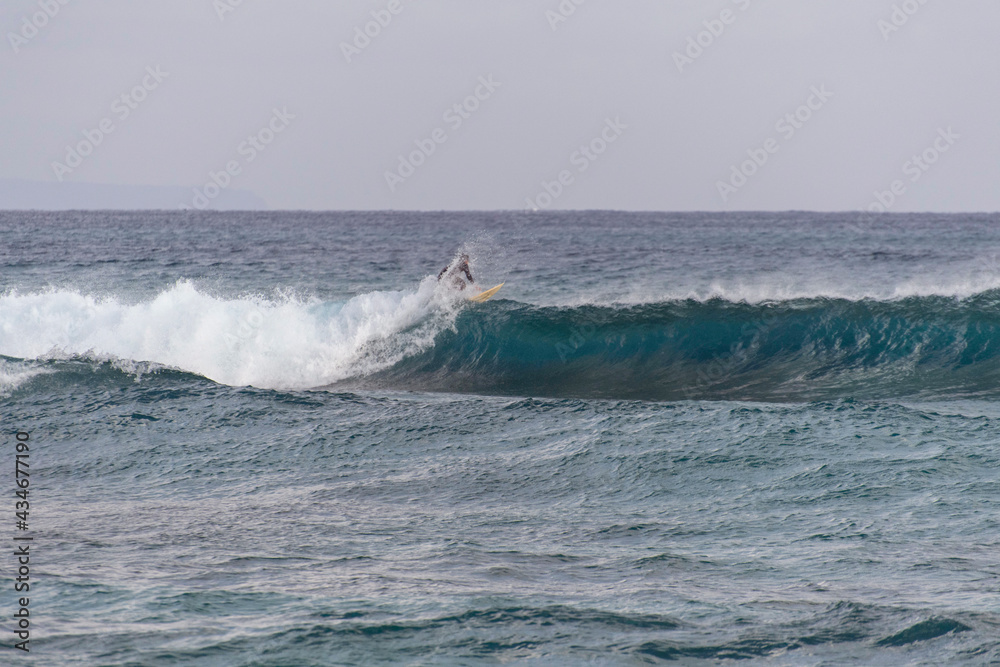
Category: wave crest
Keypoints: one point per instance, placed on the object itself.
(804, 349)
(284, 343)
(428, 340)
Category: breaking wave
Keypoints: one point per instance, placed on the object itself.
(813, 348)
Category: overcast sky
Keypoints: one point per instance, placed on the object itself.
(666, 121)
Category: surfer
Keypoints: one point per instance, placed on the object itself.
(455, 271)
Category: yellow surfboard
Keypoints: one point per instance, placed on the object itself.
(485, 295)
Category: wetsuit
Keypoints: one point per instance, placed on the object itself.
(463, 267)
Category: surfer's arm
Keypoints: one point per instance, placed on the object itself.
(442, 272)
(468, 274)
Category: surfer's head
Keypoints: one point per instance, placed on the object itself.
(464, 259)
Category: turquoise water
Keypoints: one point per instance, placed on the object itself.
(273, 439)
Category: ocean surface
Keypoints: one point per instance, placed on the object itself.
(274, 439)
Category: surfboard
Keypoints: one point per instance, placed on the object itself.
(485, 295)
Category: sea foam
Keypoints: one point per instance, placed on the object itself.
(275, 343)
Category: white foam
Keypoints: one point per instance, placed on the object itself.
(281, 343)
(14, 374)
(777, 290)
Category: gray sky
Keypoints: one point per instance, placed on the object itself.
(678, 127)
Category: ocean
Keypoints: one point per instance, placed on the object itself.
(275, 439)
